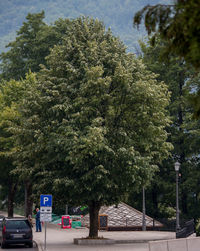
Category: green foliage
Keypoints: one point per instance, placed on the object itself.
(195, 94)
(96, 125)
(24, 165)
(10, 94)
(178, 26)
(197, 228)
(167, 211)
(28, 51)
(183, 134)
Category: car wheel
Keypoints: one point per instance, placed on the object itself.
(30, 244)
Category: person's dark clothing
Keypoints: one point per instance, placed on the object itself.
(38, 222)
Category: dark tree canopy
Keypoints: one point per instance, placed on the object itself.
(178, 25)
(183, 134)
(31, 46)
(25, 52)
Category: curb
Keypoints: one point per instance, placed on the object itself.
(131, 241)
(80, 241)
(137, 241)
(36, 244)
(39, 245)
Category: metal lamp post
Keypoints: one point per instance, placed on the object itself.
(177, 166)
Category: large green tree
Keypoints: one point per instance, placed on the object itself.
(178, 25)
(95, 124)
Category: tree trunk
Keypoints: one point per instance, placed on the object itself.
(11, 196)
(94, 208)
(28, 199)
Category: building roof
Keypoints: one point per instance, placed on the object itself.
(123, 215)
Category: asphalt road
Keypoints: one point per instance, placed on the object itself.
(21, 248)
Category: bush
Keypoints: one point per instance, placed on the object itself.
(198, 228)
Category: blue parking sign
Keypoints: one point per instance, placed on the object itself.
(45, 200)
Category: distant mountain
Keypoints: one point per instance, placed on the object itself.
(116, 14)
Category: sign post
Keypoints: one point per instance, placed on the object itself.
(45, 212)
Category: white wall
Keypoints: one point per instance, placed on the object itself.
(183, 244)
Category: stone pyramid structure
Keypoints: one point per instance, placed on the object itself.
(124, 216)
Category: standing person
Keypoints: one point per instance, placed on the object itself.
(37, 221)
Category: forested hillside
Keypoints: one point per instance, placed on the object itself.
(116, 14)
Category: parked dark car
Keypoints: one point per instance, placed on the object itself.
(16, 230)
